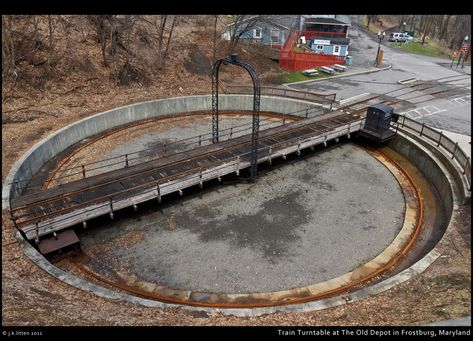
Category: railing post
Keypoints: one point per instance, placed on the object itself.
(201, 184)
(111, 208)
(200, 140)
(83, 171)
(37, 233)
(17, 187)
(397, 126)
(306, 112)
(165, 148)
(159, 192)
(440, 138)
(403, 120)
(466, 164)
(422, 130)
(238, 166)
(126, 159)
(454, 150)
(231, 132)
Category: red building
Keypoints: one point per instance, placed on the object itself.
(324, 40)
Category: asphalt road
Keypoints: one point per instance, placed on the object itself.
(452, 114)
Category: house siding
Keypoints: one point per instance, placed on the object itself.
(266, 34)
(328, 49)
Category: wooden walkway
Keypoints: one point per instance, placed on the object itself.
(50, 210)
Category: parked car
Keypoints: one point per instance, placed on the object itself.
(397, 36)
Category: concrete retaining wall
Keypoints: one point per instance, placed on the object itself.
(38, 155)
(453, 168)
(420, 156)
(435, 172)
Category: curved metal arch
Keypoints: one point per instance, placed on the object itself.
(235, 60)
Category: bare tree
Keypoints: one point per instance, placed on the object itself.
(443, 34)
(242, 25)
(8, 46)
(214, 53)
(370, 18)
(159, 32)
(427, 28)
(411, 25)
(160, 28)
(401, 21)
(51, 47)
(100, 28)
(168, 43)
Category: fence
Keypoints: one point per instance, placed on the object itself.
(324, 99)
(440, 140)
(133, 158)
(296, 61)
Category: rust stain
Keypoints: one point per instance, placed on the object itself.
(339, 285)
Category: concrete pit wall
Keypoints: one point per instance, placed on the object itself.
(43, 151)
(434, 171)
(418, 155)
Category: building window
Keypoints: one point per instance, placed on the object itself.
(336, 50)
(274, 36)
(319, 47)
(257, 33)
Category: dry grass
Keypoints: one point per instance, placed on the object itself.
(32, 297)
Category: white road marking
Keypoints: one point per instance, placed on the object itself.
(428, 110)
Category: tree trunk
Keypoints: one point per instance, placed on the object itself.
(411, 26)
(50, 54)
(160, 41)
(113, 49)
(174, 20)
(427, 28)
(214, 54)
(443, 34)
(12, 44)
(35, 31)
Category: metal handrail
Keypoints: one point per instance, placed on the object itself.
(290, 93)
(440, 140)
(153, 185)
(125, 159)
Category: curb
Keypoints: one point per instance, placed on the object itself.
(339, 76)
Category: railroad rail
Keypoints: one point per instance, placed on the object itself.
(46, 211)
(54, 209)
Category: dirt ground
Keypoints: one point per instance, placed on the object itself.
(32, 297)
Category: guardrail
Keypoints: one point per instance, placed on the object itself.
(166, 149)
(36, 227)
(452, 148)
(324, 99)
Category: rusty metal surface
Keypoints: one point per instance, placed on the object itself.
(383, 263)
(63, 239)
(50, 205)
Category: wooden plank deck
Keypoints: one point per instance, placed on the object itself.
(65, 205)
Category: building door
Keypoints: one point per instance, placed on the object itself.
(336, 50)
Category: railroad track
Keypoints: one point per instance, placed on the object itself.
(53, 209)
(293, 296)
